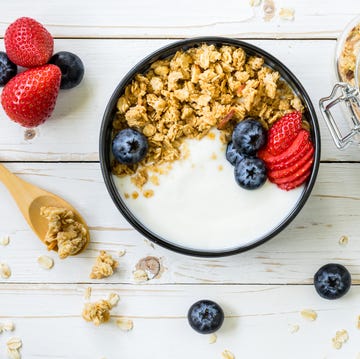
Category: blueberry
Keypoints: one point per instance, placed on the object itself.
(250, 173)
(233, 155)
(7, 69)
(205, 316)
(71, 66)
(332, 281)
(249, 136)
(129, 146)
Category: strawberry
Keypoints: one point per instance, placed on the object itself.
(288, 170)
(294, 176)
(296, 183)
(29, 98)
(283, 132)
(292, 160)
(298, 143)
(28, 43)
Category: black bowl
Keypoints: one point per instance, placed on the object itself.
(142, 67)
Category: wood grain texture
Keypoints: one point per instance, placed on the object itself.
(254, 315)
(164, 19)
(292, 257)
(73, 131)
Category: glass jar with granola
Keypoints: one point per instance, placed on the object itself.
(346, 92)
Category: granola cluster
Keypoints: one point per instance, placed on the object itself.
(104, 266)
(195, 91)
(99, 312)
(64, 232)
(347, 59)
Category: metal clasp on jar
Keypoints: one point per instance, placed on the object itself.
(342, 93)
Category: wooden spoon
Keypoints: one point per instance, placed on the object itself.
(30, 199)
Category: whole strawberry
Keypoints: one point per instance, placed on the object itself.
(29, 98)
(283, 132)
(28, 43)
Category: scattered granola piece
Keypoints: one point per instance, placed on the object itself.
(7, 326)
(45, 262)
(5, 271)
(287, 14)
(14, 343)
(65, 233)
(269, 10)
(113, 299)
(135, 195)
(99, 312)
(148, 193)
(226, 354)
(121, 253)
(87, 293)
(340, 338)
(220, 168)
(309, 314)
(104, 266)
(294, 328)
(343, 240)
(13, 353)
(140, 276)
(125, 324)
(154, 180)
(4, 241)
(212, 338)
(255, 2)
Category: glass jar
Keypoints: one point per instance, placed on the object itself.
(344, 100)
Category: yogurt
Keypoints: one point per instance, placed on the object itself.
(198, 205)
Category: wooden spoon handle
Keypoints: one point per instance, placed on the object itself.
(22, 191)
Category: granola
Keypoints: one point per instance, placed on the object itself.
(347, 59)
(308, 314)
(104, 266)
(65, 233)
(45, 262)
(5, 271)
(188, 95)
(99, 312)
(125, 324)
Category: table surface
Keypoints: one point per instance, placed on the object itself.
(263, 290)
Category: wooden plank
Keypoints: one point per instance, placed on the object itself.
(310, 241)
(160, 18)
(48, 321)
(72, 133)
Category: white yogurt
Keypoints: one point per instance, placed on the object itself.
(199, 205)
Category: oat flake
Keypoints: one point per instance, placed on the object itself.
(13, 353)
(121, 253)
(309, 314)
(4, 241)
(287, 14)
(140, 276)
(125, 324)
(45, 262)
(226, 354)
(7, 327)
(87, 293)
(212, 338)
(343, 240)
(5, 271)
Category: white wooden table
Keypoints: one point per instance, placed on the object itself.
(262, 291)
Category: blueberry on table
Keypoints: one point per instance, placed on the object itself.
(232, 154)
(205, 316)
(71, 66)
(332, 281)
(250, 173)
(249, 136)
(129, 146)
(7, 69)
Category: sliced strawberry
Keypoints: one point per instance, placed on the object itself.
(298, 182)
(287, 171)
(299, 142)
(283, 132)
(294, 175)
(292, 160)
